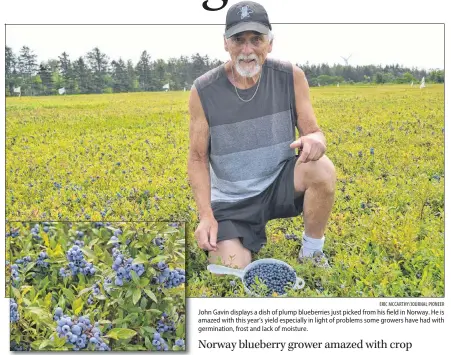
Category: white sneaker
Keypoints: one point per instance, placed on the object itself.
(318, 259)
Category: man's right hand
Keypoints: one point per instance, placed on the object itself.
(206, 234)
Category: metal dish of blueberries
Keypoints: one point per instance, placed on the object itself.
(276, 275)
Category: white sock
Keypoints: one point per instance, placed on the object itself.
(310, 245)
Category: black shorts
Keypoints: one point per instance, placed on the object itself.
(246, 219)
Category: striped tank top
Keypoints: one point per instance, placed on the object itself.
(249, 141)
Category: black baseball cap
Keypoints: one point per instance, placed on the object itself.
(247, 16)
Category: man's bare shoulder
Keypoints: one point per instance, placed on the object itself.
(209, 77)
(279, 64)
(298, 76)
(298, 71)
(194, 104)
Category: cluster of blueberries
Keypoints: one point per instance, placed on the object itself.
(180, 343)
(115, 238)
(435, 177)
(123, 267)
(13, 311)
(98, 225)
(15, 269)
(95, 292)
(35, 232)
(115, 241)
(41, 260)
(24, 261)
(57, 185)
(168, 278)
(291, 237)
(164, 324)
(77, 263)
(159, 342)
(15, 274)
(107, 282)
(13, 233)
(275, 276)
(79, 331)
(159, 242)
(19, 346)
(78, 241)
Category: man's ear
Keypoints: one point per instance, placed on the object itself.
(226, 46)
(270, 46)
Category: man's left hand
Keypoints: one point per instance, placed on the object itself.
(312, 147)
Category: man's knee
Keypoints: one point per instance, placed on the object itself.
(320, 173)
(326, 173)
(231, 253)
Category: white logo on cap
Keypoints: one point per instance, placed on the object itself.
(245, 11)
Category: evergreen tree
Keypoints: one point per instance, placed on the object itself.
(10, 70)
(45, 74)
(119, 76)
(98, 63)
(143, 70)
(67, 74)
(131, 76)
(83, 76)
(27, 66)
(159, 75)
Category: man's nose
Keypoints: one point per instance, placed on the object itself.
(248, 48)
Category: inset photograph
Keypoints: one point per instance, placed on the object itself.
(96, 286)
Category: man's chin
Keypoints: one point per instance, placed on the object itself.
(248, 70)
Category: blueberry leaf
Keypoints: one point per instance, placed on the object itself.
(144, 282)
(135, 277)
(151, 295)
(89, 253)
(136, 295)
(159, 258)
(77, 306)
(120, 333)
(140, 259)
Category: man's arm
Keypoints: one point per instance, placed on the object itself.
(199, 174)
(312, 140)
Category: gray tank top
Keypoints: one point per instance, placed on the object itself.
(249, 141)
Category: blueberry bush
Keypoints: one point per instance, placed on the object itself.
(124, 157)
(96, 285)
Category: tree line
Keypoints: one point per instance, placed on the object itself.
(96, 73)
(323, 74)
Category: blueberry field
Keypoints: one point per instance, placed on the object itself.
(102, 286)
(124, 157)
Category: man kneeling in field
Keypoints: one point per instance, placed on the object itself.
(242, 164)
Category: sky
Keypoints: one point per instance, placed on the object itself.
(410, 45)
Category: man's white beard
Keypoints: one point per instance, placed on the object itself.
(247, 73)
